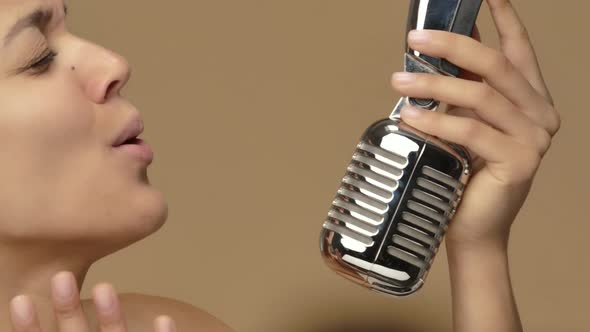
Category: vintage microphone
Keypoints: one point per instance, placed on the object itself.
(402, 187)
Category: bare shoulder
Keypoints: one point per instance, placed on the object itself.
(140, 311)
(144, 308)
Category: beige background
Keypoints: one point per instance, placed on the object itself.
(254, 107)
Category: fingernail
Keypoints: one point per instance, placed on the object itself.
(404, 78)
(419, 36)
(411, 112)
(105, 298)
(165, 324)
(64, 287)
(22, 310)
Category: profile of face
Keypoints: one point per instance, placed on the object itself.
(61, 111)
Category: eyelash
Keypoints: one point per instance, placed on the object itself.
(43, 64)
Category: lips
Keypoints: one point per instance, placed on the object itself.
(130, 144)
(129, 134)
(138, 151)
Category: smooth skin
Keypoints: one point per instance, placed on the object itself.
(50, 222)
(106, 311)
(68, 197)
(69, 311)
(504, 114)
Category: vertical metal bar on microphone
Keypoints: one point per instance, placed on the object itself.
(402, 187)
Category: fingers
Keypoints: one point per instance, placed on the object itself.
(66, 304)
(66, 301)
(23, 317)
(471, 55)
(480, 138)
(487, 103)
(508, 23)
(510, 161)
(108, 309)
(164, 324)
(493, 66)
(464, 73)
(516, 43)
(70, 316)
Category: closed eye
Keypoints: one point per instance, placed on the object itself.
(40, 64)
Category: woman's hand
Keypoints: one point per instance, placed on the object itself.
(503, 113)
(69, 314)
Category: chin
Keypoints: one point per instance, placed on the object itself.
(136, 224)
(151, 214)
(143, 216)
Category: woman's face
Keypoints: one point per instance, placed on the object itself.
(60, 113)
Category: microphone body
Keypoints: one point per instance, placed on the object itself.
(402, 187)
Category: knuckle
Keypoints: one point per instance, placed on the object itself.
(525, 166)
(522, 33)
(531, 161)
(429, 120)
(430, 123)
(485, 93)
(555, 122)
(499, 63)
(470, 129)
(68, 311)
(543, 139)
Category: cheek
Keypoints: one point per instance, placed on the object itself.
(46, 131)
(48, 114)
(43, 128)
(60, 179)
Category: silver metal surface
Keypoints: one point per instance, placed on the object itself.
(402, 187)
(457, 16)
(393, 207)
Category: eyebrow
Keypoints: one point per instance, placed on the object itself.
(39, 19)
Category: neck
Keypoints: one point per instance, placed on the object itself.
(27, 269)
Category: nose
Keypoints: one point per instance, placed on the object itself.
(103, 72)
(117, 77)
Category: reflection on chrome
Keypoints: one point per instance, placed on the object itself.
(402, 187)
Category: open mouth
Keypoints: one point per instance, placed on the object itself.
(129, 142)
(133, 140)
(138, 148)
